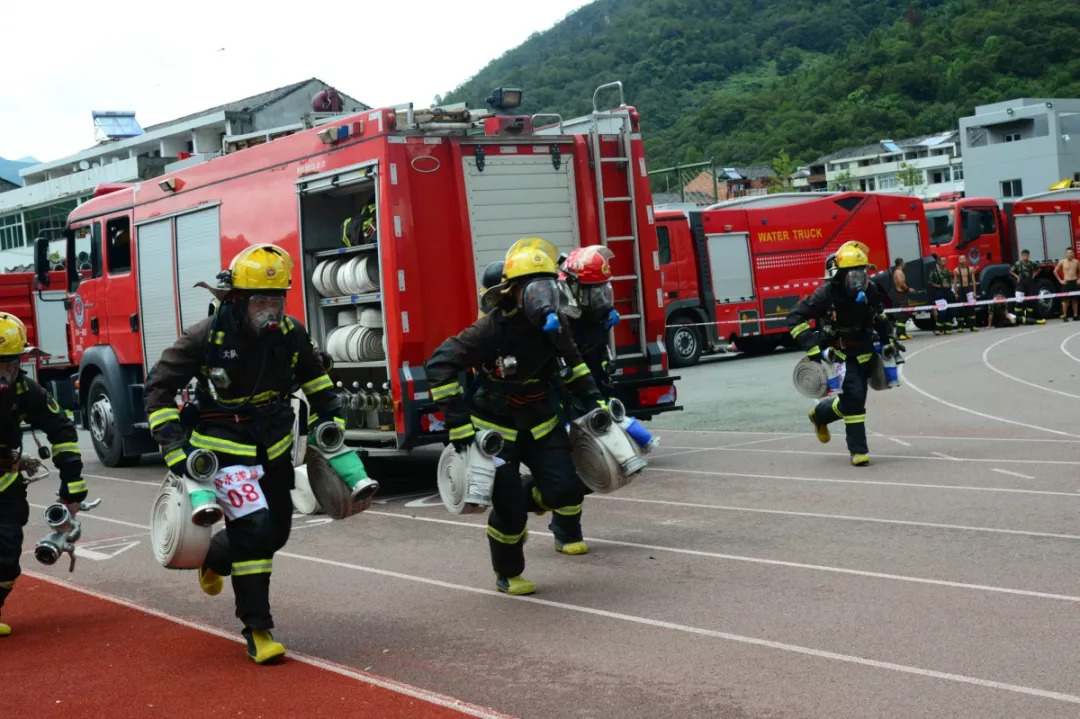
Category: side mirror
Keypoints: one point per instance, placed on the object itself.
(41, 261)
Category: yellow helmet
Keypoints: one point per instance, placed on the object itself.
(261, 267)
(852, 254)
(531, 256)
(12, 336)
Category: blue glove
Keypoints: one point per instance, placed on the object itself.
(612, 319)
(552, 324)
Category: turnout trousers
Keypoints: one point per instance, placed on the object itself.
(14, 514)
(850, 404)
(554, 487)
(245, 548)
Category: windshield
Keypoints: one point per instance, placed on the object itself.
(941, 226)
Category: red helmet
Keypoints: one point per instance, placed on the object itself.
(588, 265)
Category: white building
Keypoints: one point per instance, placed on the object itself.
(129, 153)
(1021, 147)
(933, 161)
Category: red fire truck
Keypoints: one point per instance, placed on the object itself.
(45, 317)
(447, 190)
(992, 235)
(733, 271)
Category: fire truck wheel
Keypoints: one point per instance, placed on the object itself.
(107, 442)
(684, 345)
(1044, 306)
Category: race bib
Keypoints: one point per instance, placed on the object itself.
(238, 491)
(1019, 296)
(942, 304)
(970, 296)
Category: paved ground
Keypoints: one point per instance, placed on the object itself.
(752, 573)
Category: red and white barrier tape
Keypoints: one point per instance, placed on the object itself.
(913, 308)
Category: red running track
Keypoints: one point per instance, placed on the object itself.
(75, 652)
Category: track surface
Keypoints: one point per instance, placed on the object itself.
(752, 573)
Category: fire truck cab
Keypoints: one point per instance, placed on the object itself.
(391, 216)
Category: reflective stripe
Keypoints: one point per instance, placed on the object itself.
(569, 511)
(542, 430)
(203, 441)
(539, 500)
(79, 485)
(253, 566)
(317, 385)
(855, 419)
(72, 447)
(510, 435)
(863, 359)
(312, 419)
(161, 416)
(507, 538)
(294, 360)
(6, 480)
(280, 447)
(286, 326)
(465, 430)
(447, 390)
(21, 387)
(799, 329)
(270, 395)
(836, 407)
(219, 338)
(175, 456)
(840, 355)
(813, 351)
(577, 373)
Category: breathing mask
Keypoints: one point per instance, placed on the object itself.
(9, 371)
(597, 300)
(540, 303)
(855, 284)
(265, 312)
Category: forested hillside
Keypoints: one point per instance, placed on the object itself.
(740, 80)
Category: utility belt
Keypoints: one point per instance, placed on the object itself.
(499, 397)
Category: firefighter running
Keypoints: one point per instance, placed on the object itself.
(247, 359)
(24, 400)
(516, 349)
(857, 305)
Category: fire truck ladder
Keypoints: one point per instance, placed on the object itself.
(607, 123)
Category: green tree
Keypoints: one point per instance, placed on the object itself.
(784, 168)
(910, 178)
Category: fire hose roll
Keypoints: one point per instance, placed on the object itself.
(811, 378)
(178, 543)
(303, 498)
(605, 457)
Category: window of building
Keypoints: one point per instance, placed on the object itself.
(11, 232)
(866, 185)
(939, 176)
(47, 221)
(958, 172)
(1012, 188)
(663, 244)
(1076, 177)
(888, 182)
(1012, 137)
(118, 235)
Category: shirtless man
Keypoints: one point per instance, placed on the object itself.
(898, 295)
(1068, 272)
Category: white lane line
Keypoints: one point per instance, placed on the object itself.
(941, 458)
(759, 560)
(925, 437)
(842, 517)
(699, 631)
(385, 683)
(1021, 476)
(873, 482)
(1006, 375)
(149, 482)
(1069, 354)
(900, 442)
(92, 515)
(912, 385)
(767, 439)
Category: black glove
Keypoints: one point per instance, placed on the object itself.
(176, 458)
(895, 343)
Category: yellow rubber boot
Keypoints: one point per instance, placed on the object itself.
(860, 460)
(571, 547)
(514, 585)
(5, 630)
(261, 647)
(210, 582)
(821, 430)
